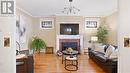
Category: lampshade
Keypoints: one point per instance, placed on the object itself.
(94, 38)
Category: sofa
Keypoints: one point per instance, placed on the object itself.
(109, 65)
(25, 65)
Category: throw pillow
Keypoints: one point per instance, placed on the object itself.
(114, 54)
(96, 45)
(109, 51)
(106, 46)
(99, 48)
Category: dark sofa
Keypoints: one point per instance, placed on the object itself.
(108, 65)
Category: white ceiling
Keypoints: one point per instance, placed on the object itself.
(54, 7)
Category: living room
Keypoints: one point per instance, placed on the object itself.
(65, 29)
(57, 35)
(52, 36)
(34, 28)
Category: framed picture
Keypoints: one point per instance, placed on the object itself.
(47, 24)
(126, 42)
(90, 24)
(6, 41)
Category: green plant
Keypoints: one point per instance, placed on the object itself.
(102, 32)
(38, 44)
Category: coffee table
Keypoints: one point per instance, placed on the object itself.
(74, 52)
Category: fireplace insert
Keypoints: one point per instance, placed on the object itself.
(72, 45)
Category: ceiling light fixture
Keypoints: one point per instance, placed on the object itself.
(70, 9)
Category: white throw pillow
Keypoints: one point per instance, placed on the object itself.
(109, 51)
(99, 48)
(96, 45)
(114, 54)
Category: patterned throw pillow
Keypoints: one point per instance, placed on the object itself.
(109, 51)
(114, 54)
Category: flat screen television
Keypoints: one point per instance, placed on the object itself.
(69, 29)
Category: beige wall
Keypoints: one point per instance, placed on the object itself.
(48, 35)
(89, 32)
(112, 22)
(28, 23)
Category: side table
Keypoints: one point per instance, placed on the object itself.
(73, 65)
(85, 50)
(49, 50)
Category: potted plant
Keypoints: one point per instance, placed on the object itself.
(102, 32)
(38, 44)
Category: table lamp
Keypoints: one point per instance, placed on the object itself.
(94, 39)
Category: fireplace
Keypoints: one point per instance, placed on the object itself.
(73, 41)
(73, 45)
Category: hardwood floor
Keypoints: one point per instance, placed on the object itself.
(51, 63)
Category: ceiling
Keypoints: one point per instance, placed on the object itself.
(54, 7)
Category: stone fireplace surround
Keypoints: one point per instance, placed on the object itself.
(69, 38)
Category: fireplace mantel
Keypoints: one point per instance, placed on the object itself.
(69, 36)
(59, 37)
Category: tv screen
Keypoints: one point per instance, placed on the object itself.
(69, 29)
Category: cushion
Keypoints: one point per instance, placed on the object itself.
(106, 46)
(109, 51)
(97, 52)
(101, 58)
(21, 56)
(24, 52)
(99, 48)
(97, 45)
(114, 54)
(19, 63)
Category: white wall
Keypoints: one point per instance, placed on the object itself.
(124, 31)
(7, 55)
